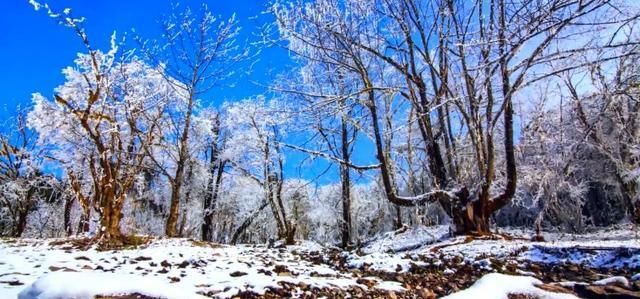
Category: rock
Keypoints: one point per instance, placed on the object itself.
(280, 268)
(183, 265)
(426, 294)
(83, 258)
(605, 292)
(163, 271)
(368, 282)
(13, 282)
(174, 279)
(553, 288)
(142, 258)
(63, 269)
(303, 285)
(237, 274)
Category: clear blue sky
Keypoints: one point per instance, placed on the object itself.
(34, 48)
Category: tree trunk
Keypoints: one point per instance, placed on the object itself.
(345, 180)
(21, 223)
(346, 206)
(472, 220)
(68, 204)
(398, 221)
(110, 208)
(210, 202)
(215, 176)
(247, 222)
(172, 220)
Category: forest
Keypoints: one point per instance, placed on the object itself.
(474, 119)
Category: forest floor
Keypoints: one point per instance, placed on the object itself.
(421, 262)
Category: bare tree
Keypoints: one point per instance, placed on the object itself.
(475, 56)
(197, 53)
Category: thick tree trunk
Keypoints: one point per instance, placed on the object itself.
(21, 223)
(112, 214)
(291, 234)
(472, 220)
(110, 208)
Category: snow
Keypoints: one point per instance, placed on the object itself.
(163, 267)
(390, 286)
(618, 280)
(601, 249)
(499, 286)
(448, 271)
(381, 262)
(36, 5)
(385, 252)
(411, 238)
(599, 255)
(88, 285)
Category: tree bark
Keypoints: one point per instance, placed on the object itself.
(345, 182)
(247, 222)
(172, 220)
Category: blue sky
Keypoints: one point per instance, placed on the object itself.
(34, 49)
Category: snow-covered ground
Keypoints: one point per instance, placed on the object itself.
(181, 268)
(169, 268)
(557, 249)
(499, 286)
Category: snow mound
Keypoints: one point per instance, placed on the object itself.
(411, 238)
(81, 285)
(619, 280)
(499, 286)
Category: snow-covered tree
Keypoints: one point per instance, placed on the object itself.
(253, 149)
(100, 123)
(199, 53)
(449, 60)
(23, 185)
